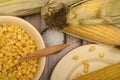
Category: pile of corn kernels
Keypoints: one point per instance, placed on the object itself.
(14, 43)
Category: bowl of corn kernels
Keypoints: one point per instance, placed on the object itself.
(19, 38)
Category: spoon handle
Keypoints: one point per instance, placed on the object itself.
(44, 52)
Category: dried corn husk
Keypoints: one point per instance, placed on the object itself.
(20, 7)
(67, 2)
(110, 11)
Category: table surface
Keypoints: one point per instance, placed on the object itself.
(52, 60)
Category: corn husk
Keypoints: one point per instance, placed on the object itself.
(67, 2)
(20, 7)
(110, 11)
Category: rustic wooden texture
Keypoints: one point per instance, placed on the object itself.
(52, 60)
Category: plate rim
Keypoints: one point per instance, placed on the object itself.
(67, 53)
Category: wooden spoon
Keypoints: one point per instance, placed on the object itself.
(40, 53)
(44, 52)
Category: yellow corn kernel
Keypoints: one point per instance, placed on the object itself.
(24, 63)
(30, 76)
(15, 71)
(27, 72)
(19, 68)
(4, 29)
(9, 61)
(4, 71)
(18, 77)
(23, 78)
(19, 73)
(34, 69)
(85, 62)
(5, 58)
(19, 37)
(13, 78)
(16, 61)
(23, 71)
(75, 57)
(86, 66)
(11, 64)
(1, 55)
(6, 78)
(9, 75)
(6, 67)
(1, 67)
(101, 55)
(92, 48)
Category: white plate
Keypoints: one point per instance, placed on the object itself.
(68, 68)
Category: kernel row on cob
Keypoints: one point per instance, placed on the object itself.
(108, 73)
(101, 33)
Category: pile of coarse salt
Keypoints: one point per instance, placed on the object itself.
(53, 37)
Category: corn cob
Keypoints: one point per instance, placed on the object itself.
(108, 73)
(101, 33)
(88, 10)
(20, 7)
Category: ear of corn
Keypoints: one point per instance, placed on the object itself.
(101, 33)
(20, 7)
(88, 10)
(108, 73)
